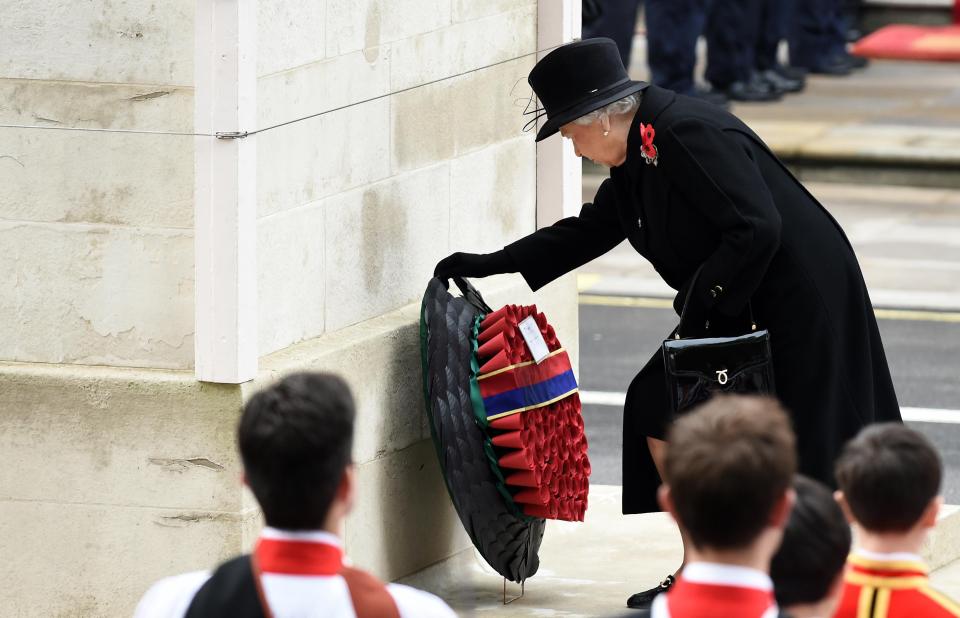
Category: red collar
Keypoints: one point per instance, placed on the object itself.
(298, 557)
(695, 599)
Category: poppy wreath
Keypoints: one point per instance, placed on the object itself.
(508, 431)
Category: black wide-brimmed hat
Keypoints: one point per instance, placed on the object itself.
(578, 78)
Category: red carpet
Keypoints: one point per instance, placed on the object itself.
(902, 42)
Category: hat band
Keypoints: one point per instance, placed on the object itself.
(587, 97)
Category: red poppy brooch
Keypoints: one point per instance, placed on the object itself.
(647, 148)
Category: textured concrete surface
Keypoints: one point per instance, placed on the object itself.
(290, 34)
(302, 163)
(449, 119)
(97, 228)
(589, 569)
(97, 294)
(586, 569)
(357, 206)
(377, 246)
(306, 88)
(291, 293)
(126, 474)
(463, 47)
(139, 41)
(493, 195)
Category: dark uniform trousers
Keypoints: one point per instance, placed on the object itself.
(732, 29)
(618, 21)
(775, 19)
(818, 32)
(673, 27)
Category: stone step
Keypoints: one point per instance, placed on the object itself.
(590, 568)
(866, 153)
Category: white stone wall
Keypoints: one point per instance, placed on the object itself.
(96, 228)
(357, 206)
(354, 209)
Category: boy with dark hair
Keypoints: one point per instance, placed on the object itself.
(807, 570)
(889, 480)
(295, 441)
(729, 468)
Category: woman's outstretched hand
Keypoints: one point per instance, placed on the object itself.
(474, 265)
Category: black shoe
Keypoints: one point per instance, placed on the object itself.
(790, 72)
(755, 90)
(781, 83)
(643, 600)
(710, 96)
(856, 62)
(836, 66)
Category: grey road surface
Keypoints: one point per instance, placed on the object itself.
(615, 342)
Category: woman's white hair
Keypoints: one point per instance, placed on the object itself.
(623, 106)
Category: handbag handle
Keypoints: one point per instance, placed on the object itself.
(686, 302)
(472, 294)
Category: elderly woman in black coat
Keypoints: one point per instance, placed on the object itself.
(692, 188)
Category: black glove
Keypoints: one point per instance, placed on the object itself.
(474, 265)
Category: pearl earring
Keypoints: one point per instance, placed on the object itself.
(606, 133)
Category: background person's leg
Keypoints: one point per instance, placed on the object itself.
(673, 27)
(772, 29)
(725, 31)
(618, 21)
(813, 44)
(732, 30)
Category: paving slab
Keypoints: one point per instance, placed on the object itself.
(947, 579)
(590, 568)
(586, 569)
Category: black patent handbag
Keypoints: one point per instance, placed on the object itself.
(698, 367)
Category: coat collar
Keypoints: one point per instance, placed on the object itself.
(653, 102)
(307, 553)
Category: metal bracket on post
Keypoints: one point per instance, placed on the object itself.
(523, 585)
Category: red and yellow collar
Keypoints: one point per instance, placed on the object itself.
(882, 572)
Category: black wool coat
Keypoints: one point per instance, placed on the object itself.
(719, 198)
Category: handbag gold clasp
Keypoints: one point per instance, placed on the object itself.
(722, 376)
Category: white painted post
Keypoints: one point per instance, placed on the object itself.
(225, 208)
(559, 186)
